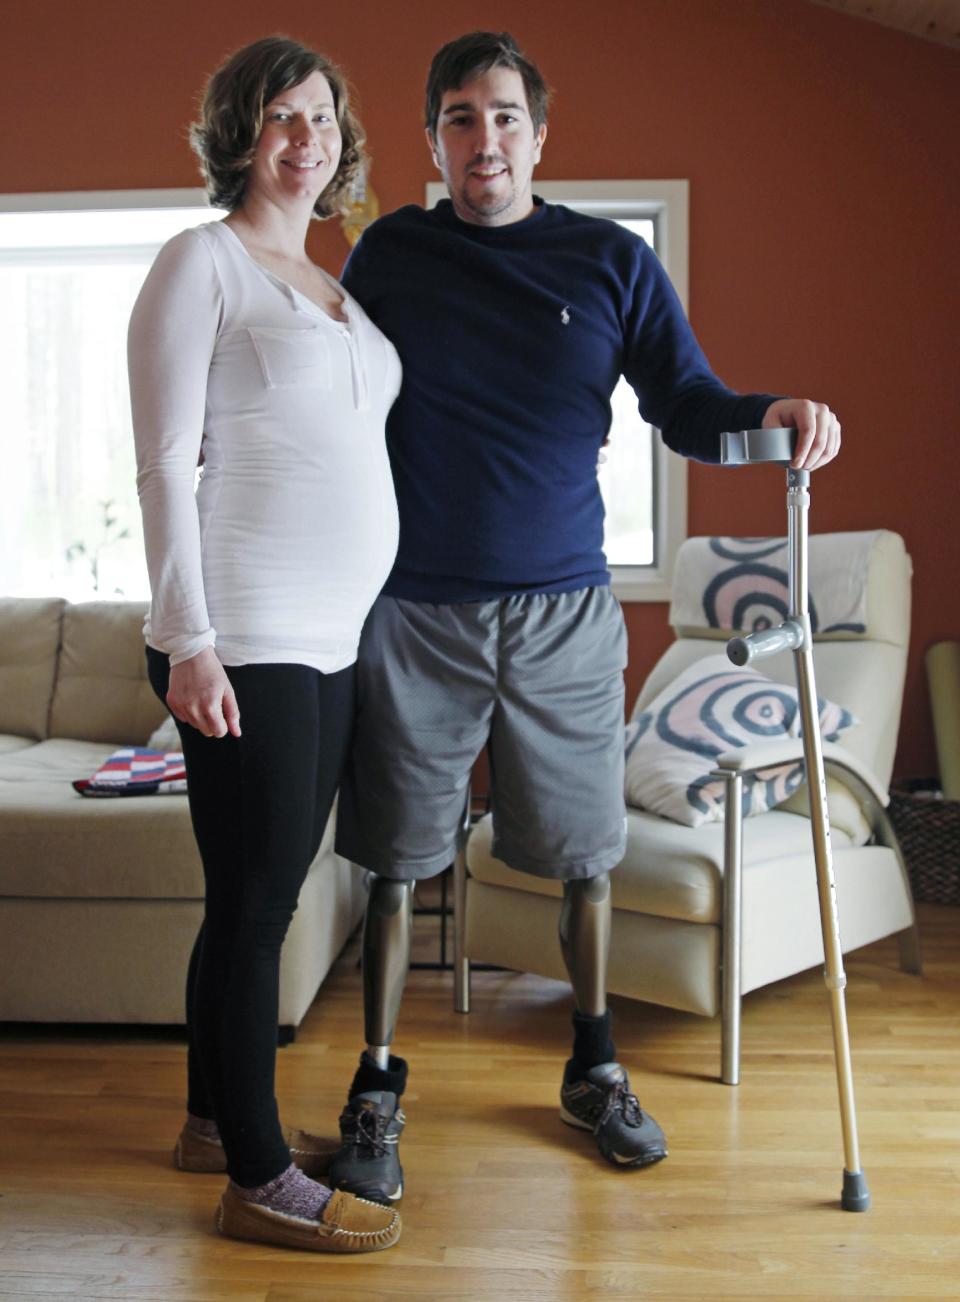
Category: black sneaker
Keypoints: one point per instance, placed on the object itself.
(368, 1161)
(602, 1102)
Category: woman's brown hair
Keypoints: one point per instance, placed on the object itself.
(231, 118)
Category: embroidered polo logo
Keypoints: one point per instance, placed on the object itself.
(565, 316)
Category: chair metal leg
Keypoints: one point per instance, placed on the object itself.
(911, 957)
(461, 963)
(732, 921)
(908, 942)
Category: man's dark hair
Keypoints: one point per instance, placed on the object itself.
(471, 56)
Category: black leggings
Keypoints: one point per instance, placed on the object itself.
(259, 805)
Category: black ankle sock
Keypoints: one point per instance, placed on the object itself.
(371, 1077)
(592, 1044)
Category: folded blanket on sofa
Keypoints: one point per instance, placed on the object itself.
(136, 771)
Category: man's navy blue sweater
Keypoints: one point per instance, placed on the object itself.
(512, 340)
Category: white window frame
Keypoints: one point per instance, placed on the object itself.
(668, 203)
(103, 200)
(94, 201)
(99, 201)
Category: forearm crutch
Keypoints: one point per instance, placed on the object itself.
(776, 446)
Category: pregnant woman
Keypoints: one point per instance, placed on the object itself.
(260, 581)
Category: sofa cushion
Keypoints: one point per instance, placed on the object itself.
(57, 844)
(166, 737)
(8, 743)
(668, 871)
(102, 692)
(29, 637)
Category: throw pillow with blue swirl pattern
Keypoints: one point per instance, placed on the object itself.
(713, 707)
(743, 584)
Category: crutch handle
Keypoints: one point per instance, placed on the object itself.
(746, 446)
(787, 636)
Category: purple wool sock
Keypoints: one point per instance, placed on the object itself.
(291, 1192)
(204, 1127)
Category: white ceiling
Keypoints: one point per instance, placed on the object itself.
(932, 20)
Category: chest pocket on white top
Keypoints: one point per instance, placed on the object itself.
(292, 359)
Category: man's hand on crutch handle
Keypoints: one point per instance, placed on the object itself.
(818, 430)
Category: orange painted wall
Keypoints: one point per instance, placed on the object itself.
(822, 156)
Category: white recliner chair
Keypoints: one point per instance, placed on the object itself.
(669, 898)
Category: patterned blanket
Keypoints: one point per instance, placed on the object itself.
(136, 771)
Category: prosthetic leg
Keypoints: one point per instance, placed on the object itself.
(386, 958)
(776, 445)
(596, 1093)
(368, 1162)
(585, 940)
(584, 934)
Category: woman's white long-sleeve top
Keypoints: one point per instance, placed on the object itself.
(292, 530)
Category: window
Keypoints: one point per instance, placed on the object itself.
(71, 266)
(644, 484)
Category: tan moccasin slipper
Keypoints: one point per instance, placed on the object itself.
(346, 1224)
(313, 1155)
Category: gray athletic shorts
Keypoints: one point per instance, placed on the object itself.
(539, 678)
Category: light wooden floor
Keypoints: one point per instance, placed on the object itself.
(504, 1202)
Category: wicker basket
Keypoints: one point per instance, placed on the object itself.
(928, 830)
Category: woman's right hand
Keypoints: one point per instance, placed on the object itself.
(200, 694)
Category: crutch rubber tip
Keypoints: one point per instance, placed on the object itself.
(855, 1196)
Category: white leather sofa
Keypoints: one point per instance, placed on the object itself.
(101, 899)
(667, 944)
